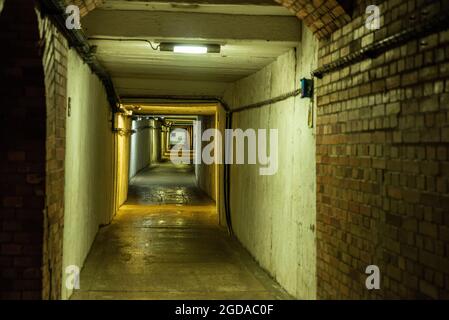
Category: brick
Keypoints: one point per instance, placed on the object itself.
(331, 16)
(16, 156)
(430, 168)
(13, 202)
(396, 120)
(25, 160)
(445, 134)
(394, 192)
(11, 249)
(428, 289)
(428, 229)
(393, 108)
(409, 78)
(429, 104)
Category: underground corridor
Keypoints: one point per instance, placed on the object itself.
(165, 242)
(224, 150)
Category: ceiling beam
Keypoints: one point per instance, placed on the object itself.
(182, 25)
(256, 7)
(214, 2)
(171, 109)
(132, 87)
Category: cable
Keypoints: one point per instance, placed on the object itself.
(151, 45)
(55, 11)
(268, 102)
(122, 39)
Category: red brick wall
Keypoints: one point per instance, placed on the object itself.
(382, 160)
(85, 5)
(321, 16)
(54, 50)
(33, 95)
(22, 159)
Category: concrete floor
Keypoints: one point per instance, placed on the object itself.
(166, 183)
(158, 248)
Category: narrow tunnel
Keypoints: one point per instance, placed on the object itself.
(224, 149)
(167, 240)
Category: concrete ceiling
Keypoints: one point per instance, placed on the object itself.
(252, 33)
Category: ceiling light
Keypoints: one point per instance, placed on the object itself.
(190, 48)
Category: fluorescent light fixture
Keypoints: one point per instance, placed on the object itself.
(190, 48)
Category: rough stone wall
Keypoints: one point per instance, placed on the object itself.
(22, 159)
(382, 160)
(54, 51)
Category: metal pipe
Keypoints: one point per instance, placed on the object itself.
(126, 40)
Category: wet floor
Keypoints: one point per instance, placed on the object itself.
(170, 248)
(166, 183)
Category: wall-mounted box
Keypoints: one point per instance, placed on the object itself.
(306, 88)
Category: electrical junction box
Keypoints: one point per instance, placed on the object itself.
(306, 88)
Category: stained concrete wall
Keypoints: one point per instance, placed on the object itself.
(155, 154)
(206, 173)
(163, 145)
(141, 146)
(89, 164)
(274, 216)
(210, 177)
(220, 119)
(122, 143)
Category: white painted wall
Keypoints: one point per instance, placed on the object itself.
(88, 164)
(140, 151)
(274, 216)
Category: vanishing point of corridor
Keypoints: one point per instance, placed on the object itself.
(165, 243)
